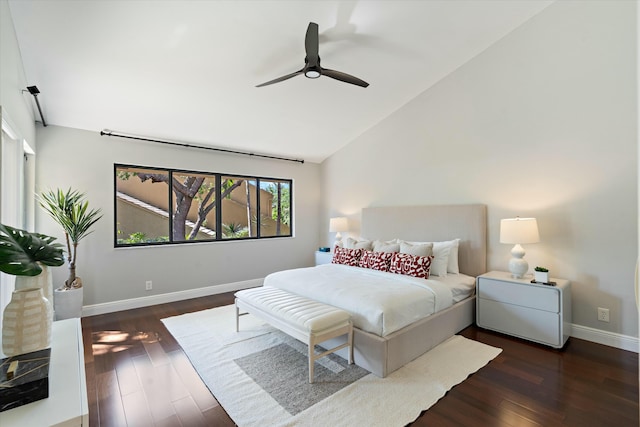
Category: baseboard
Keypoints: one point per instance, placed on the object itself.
(111, 307)
(611, 339)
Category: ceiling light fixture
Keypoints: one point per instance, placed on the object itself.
(312, 74)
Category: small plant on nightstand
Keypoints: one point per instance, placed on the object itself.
(541, 274)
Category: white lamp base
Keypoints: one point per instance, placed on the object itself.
(517, 265)
(338, 241)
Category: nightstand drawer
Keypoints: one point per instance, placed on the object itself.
(523, 322)
(536, 297)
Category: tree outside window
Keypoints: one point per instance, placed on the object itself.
(203, 206)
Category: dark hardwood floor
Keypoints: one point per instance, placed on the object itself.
(137, 375)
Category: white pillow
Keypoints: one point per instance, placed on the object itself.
(441, 255)
(453, 266)
(389, 246)
(425, 249)
(352, 243)
(388, 242)
(452, 257)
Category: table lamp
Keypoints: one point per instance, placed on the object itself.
(338, 225)
(518, 231)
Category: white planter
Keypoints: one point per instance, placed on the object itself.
(67, 304)
(541, 276)
(26, 322)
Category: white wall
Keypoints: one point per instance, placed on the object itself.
(16, 105)
(17, 119)
(17, 114)
(84, 160)
(542, 124)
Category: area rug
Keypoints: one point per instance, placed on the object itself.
(260, 376)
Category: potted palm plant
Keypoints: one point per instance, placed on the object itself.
(28, 256)
(71, 211)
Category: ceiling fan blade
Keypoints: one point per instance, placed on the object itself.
(311, 44)
(344, 77)
(280, 79)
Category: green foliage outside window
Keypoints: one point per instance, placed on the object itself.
(197, 206)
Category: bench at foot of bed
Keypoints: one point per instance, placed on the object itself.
(309, 321)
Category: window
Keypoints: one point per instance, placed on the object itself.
(277, 209)
(157, 206)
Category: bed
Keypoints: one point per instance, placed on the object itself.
(384, 343)
(379, 302)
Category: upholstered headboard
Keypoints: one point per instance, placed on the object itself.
(434, 223)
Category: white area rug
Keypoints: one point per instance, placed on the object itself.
(259, 375)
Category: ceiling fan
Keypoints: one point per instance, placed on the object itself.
(312, 68)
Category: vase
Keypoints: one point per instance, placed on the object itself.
(26, 322)
(43, 281)
(68, 303)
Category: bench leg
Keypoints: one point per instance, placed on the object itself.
(312, 359)
(237, 318)
(350, 338)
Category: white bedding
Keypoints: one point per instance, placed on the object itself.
(380, 302)
(461, 285)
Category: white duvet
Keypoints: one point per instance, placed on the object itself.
(379, 302)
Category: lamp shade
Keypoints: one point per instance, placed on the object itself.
(338, 224)
(519, 230)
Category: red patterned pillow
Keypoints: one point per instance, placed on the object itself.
(410, 265)
(346, 256)
(376, 260)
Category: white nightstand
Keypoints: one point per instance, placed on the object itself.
(323, 257)
(523, 309)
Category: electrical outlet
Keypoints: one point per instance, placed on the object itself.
(148, 285)
(603, 314)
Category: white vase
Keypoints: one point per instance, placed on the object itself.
(26, 322)
(43, 281)
(67, 303)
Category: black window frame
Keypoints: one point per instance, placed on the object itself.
(218, 206)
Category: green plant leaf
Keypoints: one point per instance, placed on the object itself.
(71, 211)
(21, 251)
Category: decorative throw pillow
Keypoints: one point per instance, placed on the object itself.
(346, 256)
(411, 265)
(423, 249)
(389, 246)
(376, 260)
(441, 251)
(352, 243)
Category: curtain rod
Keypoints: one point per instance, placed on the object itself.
(107, 132)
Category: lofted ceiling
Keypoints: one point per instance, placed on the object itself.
(187, 70)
